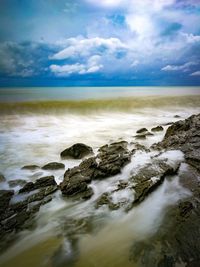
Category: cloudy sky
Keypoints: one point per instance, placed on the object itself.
(99, 42)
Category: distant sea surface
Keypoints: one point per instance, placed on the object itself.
(82, 93)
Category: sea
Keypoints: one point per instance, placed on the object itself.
(36, 124)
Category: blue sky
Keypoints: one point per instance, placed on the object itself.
(93, 42)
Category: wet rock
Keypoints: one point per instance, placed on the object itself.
(157, 129)
(177, 116)
(17, 182)
(2, 178)
(142, 130)
(41, 182)
(5, 197)
(41, 193)
(45, 181)
(176, 242)
(139, 147)
(53, 166)
(106, 199)
(109, 161)
(184, 135)
(140, 136)
(77, 151)
(30, 167)
(27, 187)
(149, 177)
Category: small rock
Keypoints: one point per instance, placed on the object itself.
(17, 182)
(157, 129)
(30, 167)
(177, 116)
(77, 151)
(53, 166)
(2, 178)
(142, 130)
(140, 136)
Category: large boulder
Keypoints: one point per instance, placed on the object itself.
(184, 135)
(149, 177)
(176, 242)
(77, 151)
(109, 161)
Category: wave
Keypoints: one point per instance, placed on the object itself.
(84, 106)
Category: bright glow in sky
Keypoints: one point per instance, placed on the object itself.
(93, 42)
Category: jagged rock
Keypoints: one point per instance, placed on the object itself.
(53, 166)
(41, 182)
(157, 129)
(45, 181)
(176, 241)
(17, 182)
(105, 199)
(109, 161)
(77, 151)
(184, 135)
(5, 197)
(2, 178)
(30, 167)
(142, 130)
(149, 177)
(27, 187)
(139, 147)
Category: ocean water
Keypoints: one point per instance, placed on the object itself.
(36, 125)
(83, 93)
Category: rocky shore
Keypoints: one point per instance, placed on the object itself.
(177, 240)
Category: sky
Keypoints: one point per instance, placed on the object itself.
(99, 42)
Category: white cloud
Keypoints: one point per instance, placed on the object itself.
(196, 73)
(135, 63)
(85, 46)
(107, 3)
(191, 38)
(185, 67)
(92, 65)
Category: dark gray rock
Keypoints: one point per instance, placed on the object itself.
(2, 178)
(149, 177)
(109, 161)
(39, 183)
(140, 136)
(184, 135)
(157, 129)
(142, 130)
(17, 182)
(5, 197)
(177, 239)
(53, 166)
(30, 167)
(106, 199)
(77, 151)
